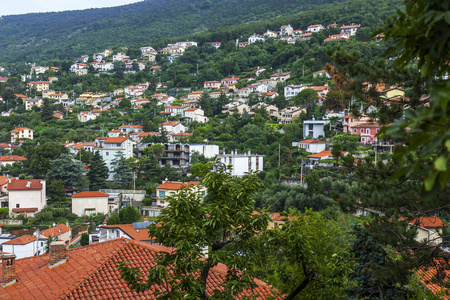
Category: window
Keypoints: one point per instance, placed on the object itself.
(162, 194)
(367, 130)
(107, 153)
(354, 130)
(362, 130)
(363, 140)
(17, 205)
(203, 193)
(378, 130)
(89, 211)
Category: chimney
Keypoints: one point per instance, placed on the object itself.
(8, 269)
(67, 223)
(28, 184)
(57, 254)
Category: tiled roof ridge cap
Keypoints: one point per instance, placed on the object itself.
(101, 264)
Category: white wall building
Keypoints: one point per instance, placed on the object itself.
(310, 145)
(195, 114)
(293, 90)
(242, 163)
(173, 127)
(111, 147)
(255, 38)
(25, 246)
(314, 128)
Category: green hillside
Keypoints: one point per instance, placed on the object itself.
(47, 36)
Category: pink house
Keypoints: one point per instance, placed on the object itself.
(367, 131)
(350, 121)
(211, 84)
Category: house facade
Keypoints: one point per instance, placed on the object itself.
(242, 163)
(310, 145)
(112, 147)
(26, 197)
(367, 132)
(25, 246)
(314, 128)
(90, 203)
(170, 188)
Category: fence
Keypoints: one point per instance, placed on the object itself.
(110, 191)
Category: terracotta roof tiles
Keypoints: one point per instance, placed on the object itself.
(21, 184)
(12, 158)
(175, 185)
(90, 194)
(56, 230)
(23, 240)
(91, 273)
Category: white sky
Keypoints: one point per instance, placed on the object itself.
(15, 7)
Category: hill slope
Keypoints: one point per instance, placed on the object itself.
(46, 36)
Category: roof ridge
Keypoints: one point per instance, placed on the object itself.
(102, 263)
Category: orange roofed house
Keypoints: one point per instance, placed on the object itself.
(90, 203)
(137, 231)
(111, 148)
(320, 158)
(91, 272)
(170, 188)
(310, 145)
(21, 133)
(10, 159)
(61, 232)
(26, 196)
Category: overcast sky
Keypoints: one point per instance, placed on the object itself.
(15, 7)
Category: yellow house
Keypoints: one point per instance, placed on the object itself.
(393, 92)
(90, 203)
(30, 102)
(39, 85)
(170, 188)
(21, 133)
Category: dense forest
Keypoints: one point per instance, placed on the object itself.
(47, 36)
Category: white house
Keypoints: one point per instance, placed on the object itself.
(90, 203)
(269, 33)
(173, 127)
(256, 38)
(310, 145)
(137, 231)
(21, 133)
(173, 110)
(349, 30)
(242, 163)
(293, 90)
(314, 128)
(60, 232)
(131, 128)
(315, 28)
(85, 116)
(286, 30)
(195, 114)
(111, 147)
(25, 246)
(10, 159)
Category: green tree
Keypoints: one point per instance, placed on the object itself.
(310, 257)
(84, 239)
(223, 225)
(97, 172)
(128, 215)
(42, 157)
(125, 104)
(376, 271)
(113, 220)
(46, 111)
(67, 169)
(306, 97)
(122, 170)
(56, 192)
(205, 104)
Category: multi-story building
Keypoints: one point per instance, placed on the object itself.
(288, 114)
(286, 30)
(310, 145)
(26, 196)
(21, 133)
(112, 147)
(195, 114)
(242, 163)
(293, 90)
(39, 85)
(315, 28)
(314, 128)
(349, 30)
(171, 188)
(30, 102)
(366, 131)
(90, 203)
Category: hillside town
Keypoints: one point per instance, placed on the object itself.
(100, 155)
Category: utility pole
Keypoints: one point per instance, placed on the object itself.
(301, 173)
(279, 172)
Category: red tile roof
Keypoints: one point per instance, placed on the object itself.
(439, 269)
(21, 184)
(23, 240)
(91, 273)
(323, 154)
(12, 158)
(3, 180)
(170, 123)
(20, 129)
(30, 209)
(364, 125)
(90, 194)
(56, 230)
(311, 141)
(131, 126)
(115, 140)
(428, 222)
(135, 234)
(175, 185)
